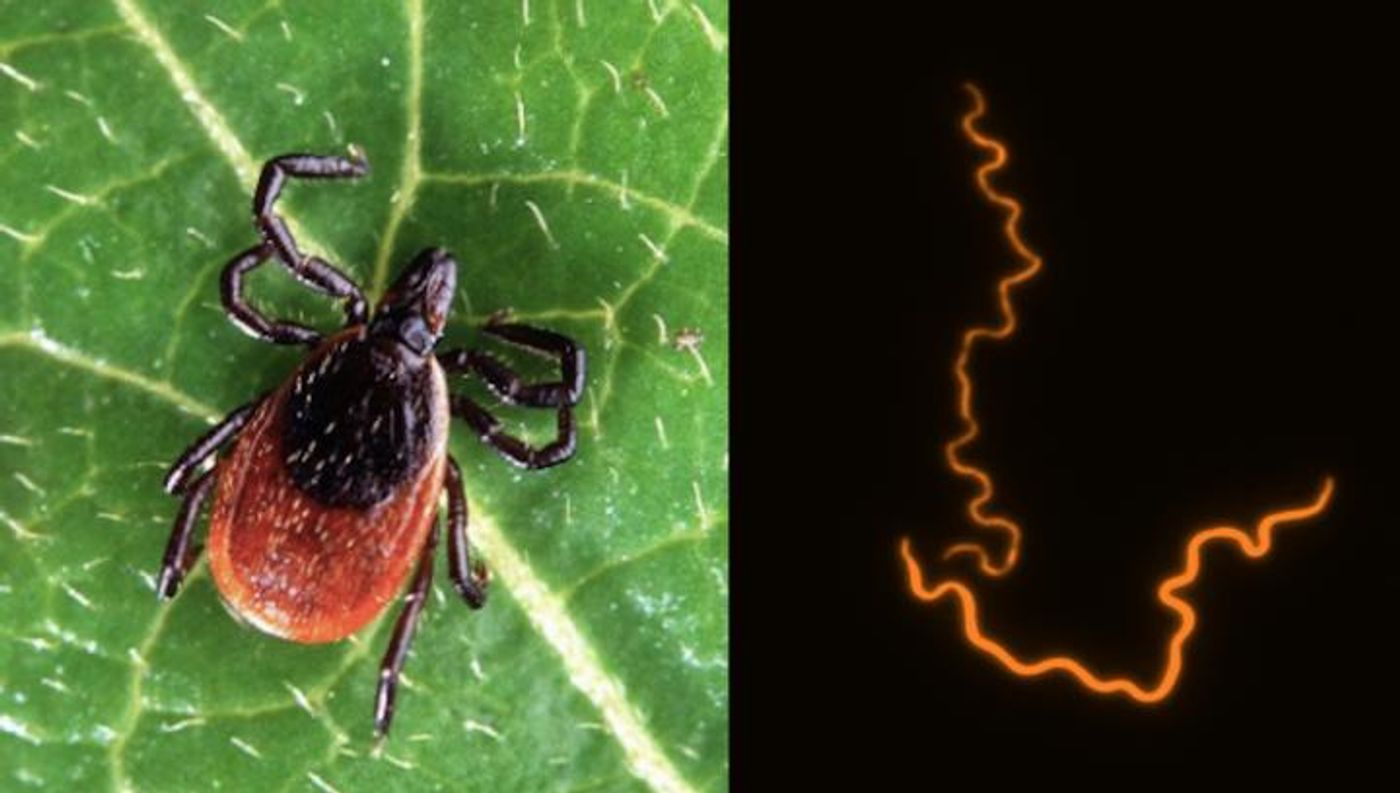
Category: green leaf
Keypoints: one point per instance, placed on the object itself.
(573, 156)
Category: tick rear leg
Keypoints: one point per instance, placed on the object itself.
(470, 580)
(407, 623)
(489, 429)
(179, 556)
(205, 446)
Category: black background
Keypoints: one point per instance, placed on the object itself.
(1214, 197)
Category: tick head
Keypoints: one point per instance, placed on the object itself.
(414, 310)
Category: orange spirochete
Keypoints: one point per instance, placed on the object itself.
(1254, 544)
(1031, 264)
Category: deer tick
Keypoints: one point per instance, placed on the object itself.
(328, 495)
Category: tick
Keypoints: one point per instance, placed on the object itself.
(327, 496)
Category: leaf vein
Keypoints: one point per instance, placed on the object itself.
(412, 169)
(676, 213)
(210, 119)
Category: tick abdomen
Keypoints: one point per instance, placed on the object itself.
(360, 420)
(284, 558)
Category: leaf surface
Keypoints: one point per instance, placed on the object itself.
(573, 156)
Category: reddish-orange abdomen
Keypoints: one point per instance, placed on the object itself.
(297, 568)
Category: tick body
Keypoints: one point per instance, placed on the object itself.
(329, 494)
(326, 500)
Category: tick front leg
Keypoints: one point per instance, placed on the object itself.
(249, 319)
(470, 580)
(507, 384)
(324, 276)
(404, 627)
(489, 429)
(302, 166)
(316, 272)
(179, 556)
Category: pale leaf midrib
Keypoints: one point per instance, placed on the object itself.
(411, 172)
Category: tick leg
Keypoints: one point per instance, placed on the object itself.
(488, 428)
(204, 448)
(328, 280)
(179, 556)
(572, 361)
(507, 384)
(470, 580)
(249, 319)
(316, 272)
(303, 166)
(392, 665)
